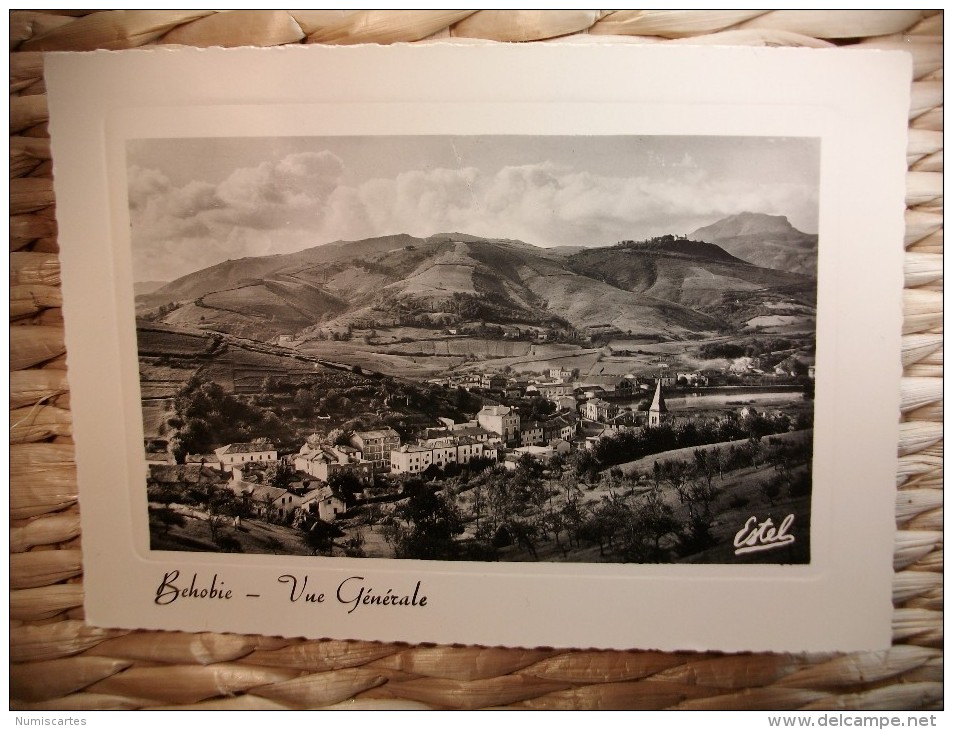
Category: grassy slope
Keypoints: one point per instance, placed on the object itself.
(670, 290)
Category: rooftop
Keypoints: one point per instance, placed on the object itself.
(377, 434)
(495, 410)
(252, 448)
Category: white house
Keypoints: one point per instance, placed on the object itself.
(232, 455)
(598, 410)
(501, 420)
(411, 459)
(323, 501)
(441, 452)
(323, 461)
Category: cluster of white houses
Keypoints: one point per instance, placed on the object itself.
(263, 500)
(496, 434)
(494, 431)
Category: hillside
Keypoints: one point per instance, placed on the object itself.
(769, 241)
(667, 287)
(694, 274)
(235, 273)
(147, 287)
(298, 394)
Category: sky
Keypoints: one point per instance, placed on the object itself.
(194, 203)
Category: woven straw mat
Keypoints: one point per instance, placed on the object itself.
(58, 662)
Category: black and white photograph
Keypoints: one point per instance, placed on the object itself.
(479, 359)
(490, 348)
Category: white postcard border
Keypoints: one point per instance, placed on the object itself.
(855, 102)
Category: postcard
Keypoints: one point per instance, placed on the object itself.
(486, 344)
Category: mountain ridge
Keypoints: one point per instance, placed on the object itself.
(769, 241)
(670, 287)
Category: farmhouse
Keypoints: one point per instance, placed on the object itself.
(542, 453)
(159, 457)
(232, 455)
(492, 382)
(466, 430)
(469, 448)
(411, 459)
(515, 388)
(323, 461)
(627, 386)
(563, 402)
(265, 501)
(589, 391)
(324, 503)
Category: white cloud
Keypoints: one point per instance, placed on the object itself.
(300, 201)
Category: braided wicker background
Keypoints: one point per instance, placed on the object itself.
(58, 662)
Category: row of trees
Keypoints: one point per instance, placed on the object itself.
(633, 444)
(656, 517)
(221, 507)
(206, 416)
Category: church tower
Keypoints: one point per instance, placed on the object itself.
(658, 406)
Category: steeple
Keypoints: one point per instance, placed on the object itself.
(658, 406)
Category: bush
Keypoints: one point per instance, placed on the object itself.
(800, 484)
(502, 538)
(738, 502)
(227, 543)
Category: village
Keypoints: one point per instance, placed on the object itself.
(344, 492)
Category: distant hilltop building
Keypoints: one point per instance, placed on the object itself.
(560, 374)
(658, 406)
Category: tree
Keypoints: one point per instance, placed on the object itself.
(432, 520)
(319, 536)
(167, 517)
(771, 488)
(699, 498)
(278, 474)
(528, 467)
(536, 408)
(206, 416)
(304, 401)
(344, 484)
(221, 507)
(653, 520)
(338, 436)
(706, 463)
(354, 546)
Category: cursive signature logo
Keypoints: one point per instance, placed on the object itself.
(757, 536)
